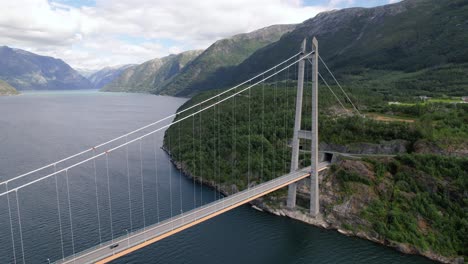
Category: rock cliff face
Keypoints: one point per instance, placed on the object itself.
(349, 192)
(392, 147)
(28, 71)
(348, 196)
(458, 149)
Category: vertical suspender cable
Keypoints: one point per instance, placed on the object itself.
(128, 187)
(234, 141)
(156, 175)
(142, 187)
(179, 157)
(193, 163)
(109, 196)
(97, 199)
(285, 116)
(11, 224)
(214, 151)
(305, 103)
(263, 124)
(200, 154)
(59, 214)
(274, 125)
(20, 226)
(70, 213)
(219, 157)
(170, 170)
(248, 158)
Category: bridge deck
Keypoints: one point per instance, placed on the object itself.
(153, 233)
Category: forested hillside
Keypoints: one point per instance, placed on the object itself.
(246, 140)
(414, 47)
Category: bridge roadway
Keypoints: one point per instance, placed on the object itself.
(140, 238)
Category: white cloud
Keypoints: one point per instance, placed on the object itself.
(132, 31)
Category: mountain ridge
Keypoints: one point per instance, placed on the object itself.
(405, 37)
(108, 74)
(150, 75)
(222, 54)
(29, 71)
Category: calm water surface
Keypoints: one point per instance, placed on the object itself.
(42, 127)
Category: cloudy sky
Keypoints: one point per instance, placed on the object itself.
(92, 34)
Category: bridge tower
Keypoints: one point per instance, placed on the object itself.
(310, 135)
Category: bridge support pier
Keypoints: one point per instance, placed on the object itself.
(314, 184)
(310, 135)
(291, 203)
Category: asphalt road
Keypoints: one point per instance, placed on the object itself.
(140, 238)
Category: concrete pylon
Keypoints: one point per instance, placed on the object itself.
(291, 203)
(310, 135)
(314, 184)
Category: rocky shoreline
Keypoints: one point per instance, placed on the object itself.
(326, 222)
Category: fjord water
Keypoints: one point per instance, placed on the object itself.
(39, 128)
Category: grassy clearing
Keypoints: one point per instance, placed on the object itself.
(389, 118)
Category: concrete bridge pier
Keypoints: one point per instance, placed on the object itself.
(310, 135)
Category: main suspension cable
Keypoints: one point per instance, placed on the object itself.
(329, 88)
(144, 127)
(154, 131)
(339, 85)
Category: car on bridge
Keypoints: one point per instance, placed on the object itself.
(113, 246)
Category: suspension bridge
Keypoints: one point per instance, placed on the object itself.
(95, 168)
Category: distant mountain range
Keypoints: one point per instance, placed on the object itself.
(185, 72)
(220, 57)
(411, 47)
(151, 75)
(106, 75)
(86, 72)
(28, 71)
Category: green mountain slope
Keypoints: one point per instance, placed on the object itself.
(415, 201)
(220, 56)
(151, 75)
(414, 45)
(6, 89)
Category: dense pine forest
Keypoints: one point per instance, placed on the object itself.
(420, 198)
